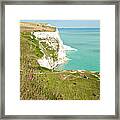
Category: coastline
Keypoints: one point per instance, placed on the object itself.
(62, 51)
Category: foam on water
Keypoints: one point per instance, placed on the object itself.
(69, 48)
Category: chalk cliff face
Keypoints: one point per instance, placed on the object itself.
(52, 47)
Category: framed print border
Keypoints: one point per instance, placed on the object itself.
(65, 2)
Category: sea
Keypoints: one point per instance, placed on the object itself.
(83, 48)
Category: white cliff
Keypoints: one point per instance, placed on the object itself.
(54, 43)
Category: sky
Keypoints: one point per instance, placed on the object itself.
(69, 23)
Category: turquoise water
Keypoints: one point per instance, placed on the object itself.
(87, 43)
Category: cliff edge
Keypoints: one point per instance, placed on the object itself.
(50, 43)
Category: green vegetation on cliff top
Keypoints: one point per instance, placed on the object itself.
(38, 83)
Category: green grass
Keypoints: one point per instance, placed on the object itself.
(38, 83)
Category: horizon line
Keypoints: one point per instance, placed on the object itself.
(78, 27)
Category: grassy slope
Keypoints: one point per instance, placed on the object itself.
(37, 83)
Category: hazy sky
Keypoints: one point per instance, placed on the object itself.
(69, 23)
